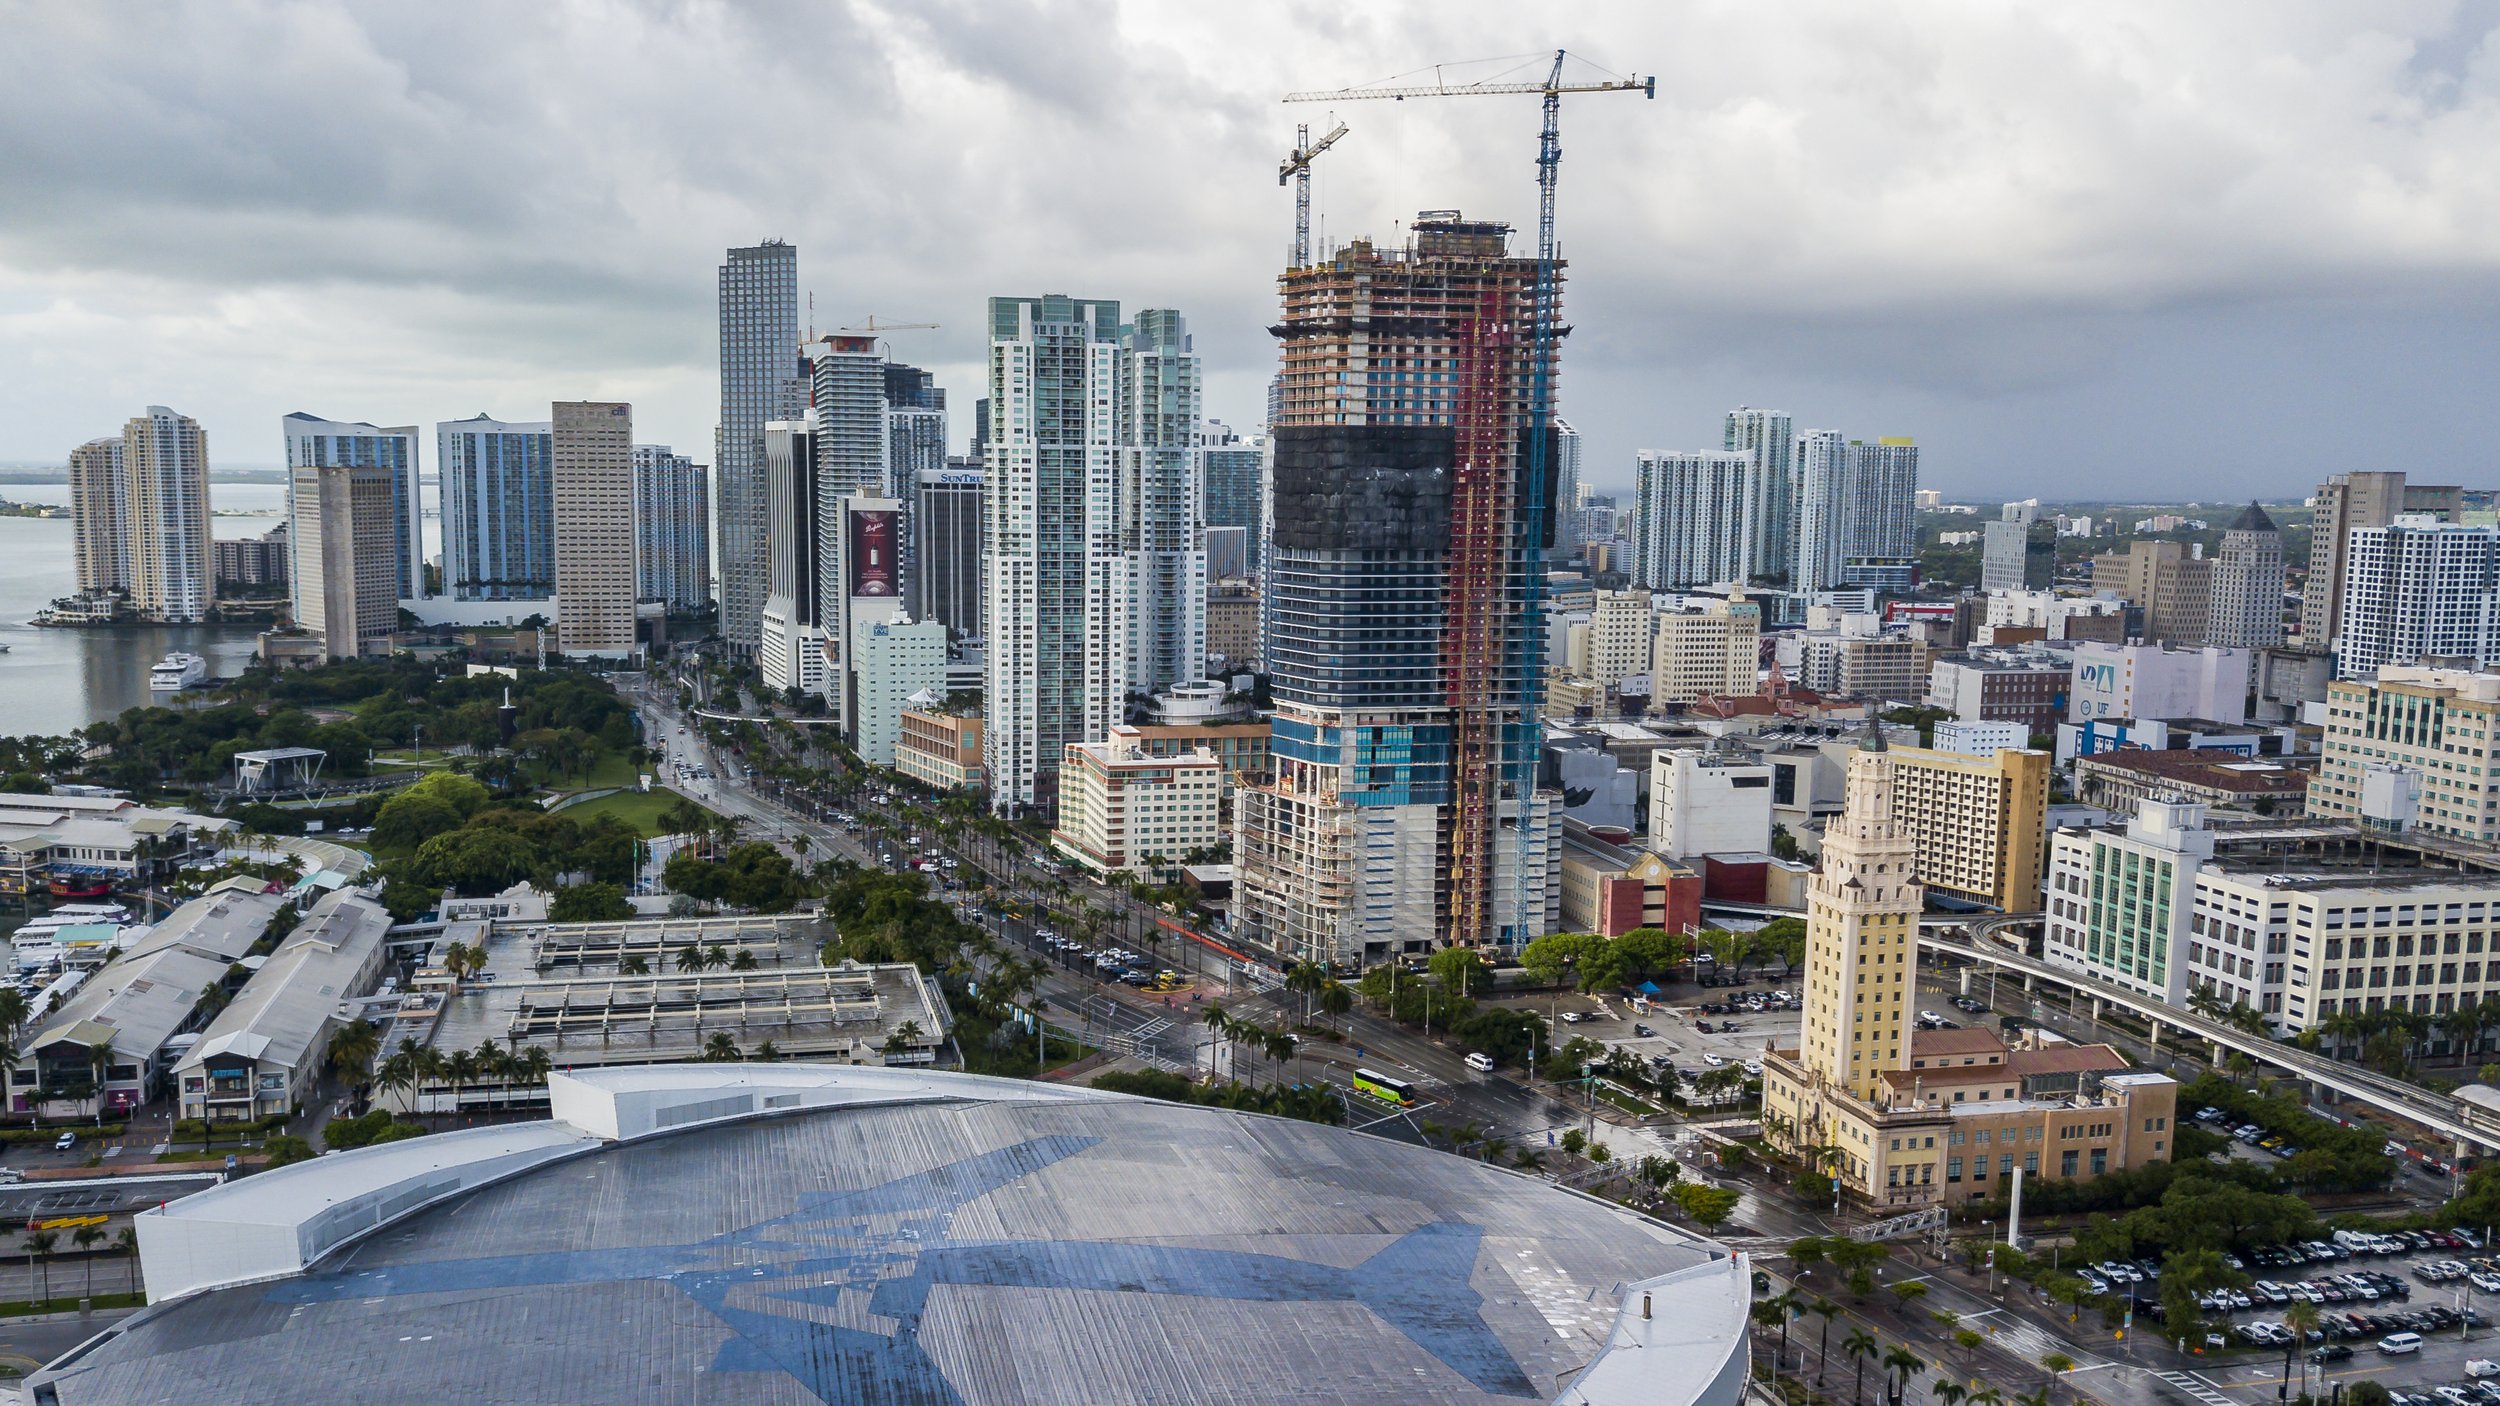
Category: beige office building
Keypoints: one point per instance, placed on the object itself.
(593, 449)
(1911, 1120)
(1979, 822)
(99, 509)
(2414, 748)
(1620, 638)
(165, 468)
(2175, 589)
(1715, 649)
(343, 529)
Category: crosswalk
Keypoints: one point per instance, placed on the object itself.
(2196, 1387)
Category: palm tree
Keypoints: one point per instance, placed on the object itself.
(1948, 1391)
(715, 957)
(537, 1063)
(1900, 1364)
(40, 1246)
(636, 965)
(353, 1045)
(1335, 1000)
(86, 1239)
(767, 1052)
(690, 958)
(100, 1059)
(128, 1244)
(2302, 1318)
(1860, 1345)
(460, 1067)
(720, 1049)
(1784, 1306)
(1826, 1310)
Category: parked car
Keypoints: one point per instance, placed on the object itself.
(65, 1142)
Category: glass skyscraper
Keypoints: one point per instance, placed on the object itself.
(759, 383)
(499, 526)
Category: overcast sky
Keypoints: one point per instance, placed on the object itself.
(2151, 249)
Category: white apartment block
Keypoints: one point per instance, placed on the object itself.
(1708, 802)
(1715, 649)
(1123, 809)
(1771, 539)
(672, 529)
(1822, 509)
(1693, 521)
(165, 465)
(1981, 739)
(2416, 590)
(2433, 725)
(592, 447)
(1095, 579)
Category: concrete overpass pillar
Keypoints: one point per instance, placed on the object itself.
(2096, 1010)
(1965, 987)
(2156, 1032)
(2028, 979)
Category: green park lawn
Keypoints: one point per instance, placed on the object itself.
(640, 809)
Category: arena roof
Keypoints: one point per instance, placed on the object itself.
(794, 1234)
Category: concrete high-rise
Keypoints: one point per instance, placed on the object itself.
(2416, 591)
(672, 529)
(1879, 538)
(343, 523)
(99, 509)
(1056, 670)
(165, 468)
(2344, 504)
(915, 438)
(759, 383)
(2247, 609)
(1162, 504)
(593, 452)
(312, 442)
(1693, 521)
(1355, 847)
(1822, 510)
(1771, 530)
(1569, 491)
(944, 583)
(793, 651)
(499, 506)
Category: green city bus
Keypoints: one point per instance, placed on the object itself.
(1384, 1088)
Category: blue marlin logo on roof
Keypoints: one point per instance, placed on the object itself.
(772, 1283)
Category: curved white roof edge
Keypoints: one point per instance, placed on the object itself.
(281, 1222)
(1679, 1340)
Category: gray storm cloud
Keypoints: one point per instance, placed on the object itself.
(2117, 249)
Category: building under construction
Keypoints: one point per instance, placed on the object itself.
(1398, 561)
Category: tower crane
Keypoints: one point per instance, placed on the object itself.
(1297, 168)
(1520, 749)
(875, 328)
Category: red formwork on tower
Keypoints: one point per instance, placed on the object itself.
(1472, 626)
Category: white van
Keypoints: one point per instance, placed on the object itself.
(1479, 1061)
(2398, 1344)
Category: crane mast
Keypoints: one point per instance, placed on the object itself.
(1477, 524)
(1297, 168)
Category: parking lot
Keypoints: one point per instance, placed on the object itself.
(2434, 1286)
(1750, 1019)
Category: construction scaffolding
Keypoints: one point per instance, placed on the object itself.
(1475, 603)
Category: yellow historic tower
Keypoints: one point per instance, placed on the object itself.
(1862, 911)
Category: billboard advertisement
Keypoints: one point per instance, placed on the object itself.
(873, 548)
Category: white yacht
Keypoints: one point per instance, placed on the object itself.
(176, 672)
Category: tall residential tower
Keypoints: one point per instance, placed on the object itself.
(165, 465)
(759, 382)
(312, 442)
(499, 509)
